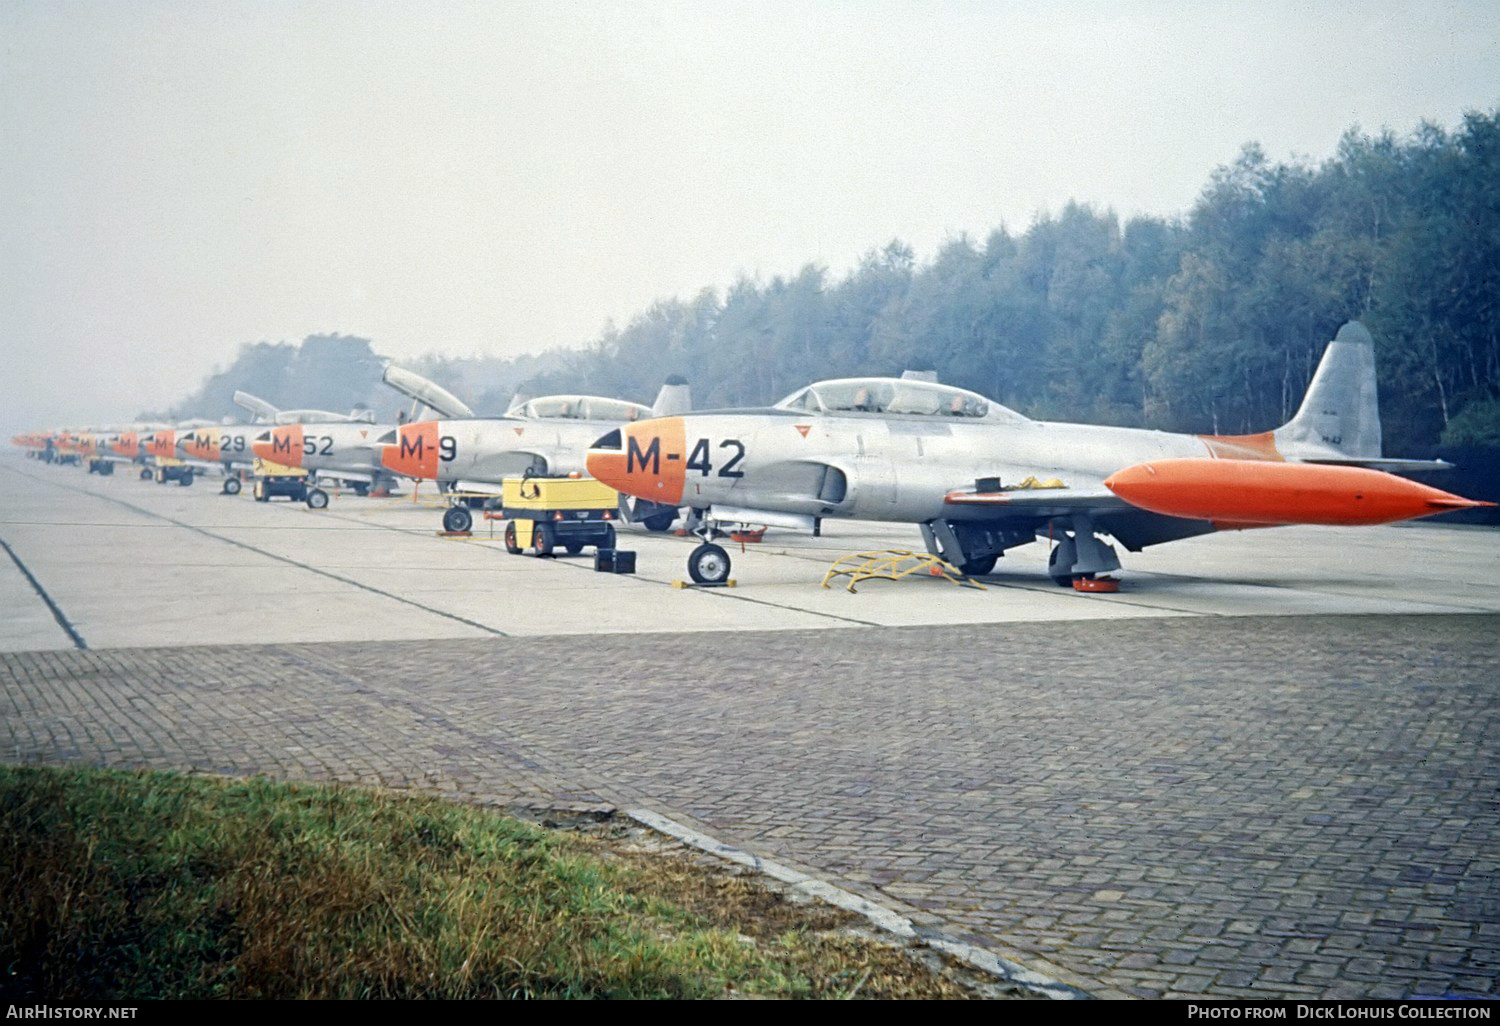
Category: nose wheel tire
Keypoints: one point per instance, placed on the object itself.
(317, 499)
(457, 518)
(231, 486)
(708, 564)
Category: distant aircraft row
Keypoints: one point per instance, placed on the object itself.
(979, 479)
(463, 453)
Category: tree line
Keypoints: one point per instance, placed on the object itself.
(1211, 322)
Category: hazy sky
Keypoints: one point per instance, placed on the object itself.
(177, 179)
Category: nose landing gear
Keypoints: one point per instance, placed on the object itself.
(708, 564)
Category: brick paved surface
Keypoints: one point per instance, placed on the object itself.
(1235, 807)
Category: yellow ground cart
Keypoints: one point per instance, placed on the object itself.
(173, 470)
(273, 479)
(543, 513)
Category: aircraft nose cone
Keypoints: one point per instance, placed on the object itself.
(645, 460)
(605, 461)
(415, 453)
(283, 446)
(390, 457)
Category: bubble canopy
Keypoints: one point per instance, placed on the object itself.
(579, 407)
(897, 396)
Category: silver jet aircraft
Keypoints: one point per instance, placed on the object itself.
(544, 436)
(346, 449)
(981, 479)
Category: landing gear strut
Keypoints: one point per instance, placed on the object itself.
(1080, 556)
(973, 545)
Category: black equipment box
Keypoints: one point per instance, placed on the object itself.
(614, 561)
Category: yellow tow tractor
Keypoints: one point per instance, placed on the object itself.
(168, 469)
(273, 479)
(543, 513)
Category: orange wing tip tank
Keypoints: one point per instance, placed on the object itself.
(1253, 493)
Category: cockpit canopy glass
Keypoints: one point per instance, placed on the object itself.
(896, 396)
(579, 407)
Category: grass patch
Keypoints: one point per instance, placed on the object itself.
(154, 885)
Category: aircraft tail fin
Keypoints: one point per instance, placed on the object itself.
(1339, 420)
(674, 399)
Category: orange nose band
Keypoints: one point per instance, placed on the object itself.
(415, 453)
(285, 446)
(649, 463)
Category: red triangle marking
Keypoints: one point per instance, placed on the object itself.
(519, 431)
(803, 429)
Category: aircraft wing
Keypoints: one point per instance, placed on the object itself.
(1036, 501)
(1033, 502)
(205, 466)
(1390, 466)
(1133, 527)
(479, 487)
(363, 476)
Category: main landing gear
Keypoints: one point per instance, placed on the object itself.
(1080, 557)
(1076, 561)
